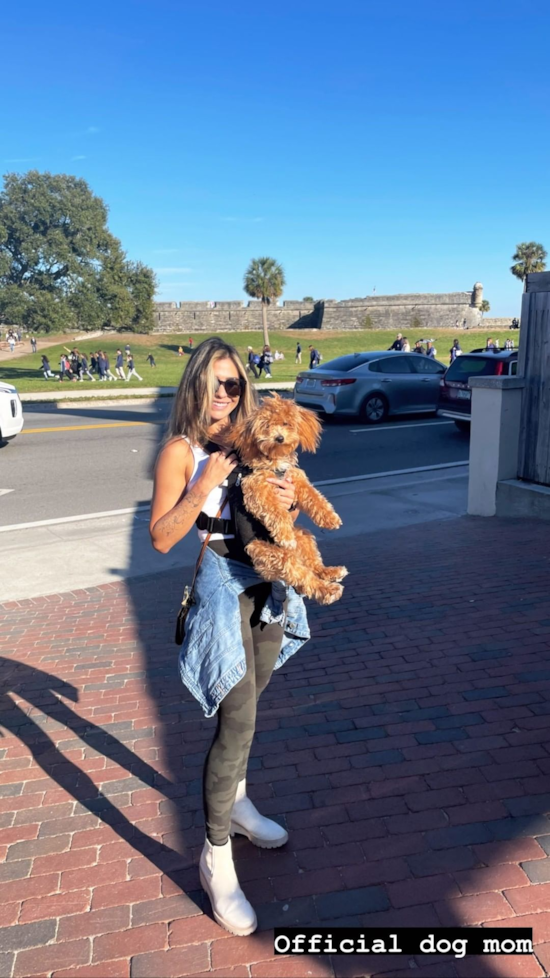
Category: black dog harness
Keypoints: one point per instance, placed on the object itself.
(242, 524)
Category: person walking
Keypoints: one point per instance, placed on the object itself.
(455, 351)
(132, 372)
(252, 361)
(108, 373)
(241, 626)
(119, 368)
(191, 342)
(430, 350)
(46, 369)
(84, 369)
(405, 345)
(397, 343)
(418, 348)
(180, 351)
(298, 352)
(33, 344)
(266, 360)
(509, 344)
(151, 360)
(11, 341)
(101, 365)
(67, 369)
(127, 350)
(490, 345)
(314, 357)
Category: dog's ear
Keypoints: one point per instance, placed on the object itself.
(239, 432)
(309, 428)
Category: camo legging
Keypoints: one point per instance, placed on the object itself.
(227, 758)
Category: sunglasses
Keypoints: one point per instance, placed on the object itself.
(234, 386)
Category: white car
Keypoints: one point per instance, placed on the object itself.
(11, 412)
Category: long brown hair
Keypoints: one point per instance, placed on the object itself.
(191, 415)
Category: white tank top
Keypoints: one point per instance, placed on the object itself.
(213, 501)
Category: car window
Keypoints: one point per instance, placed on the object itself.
(513, 368)
(466, 366)
(425, 365)
(347, 362)
(392, 365)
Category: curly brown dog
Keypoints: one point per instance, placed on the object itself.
(266, 443)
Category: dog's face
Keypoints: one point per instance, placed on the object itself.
(276, 430)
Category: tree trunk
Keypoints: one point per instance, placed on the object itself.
(264, 323)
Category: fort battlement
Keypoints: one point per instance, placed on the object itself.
(400, 312)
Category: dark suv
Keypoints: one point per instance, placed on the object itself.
(455, 395)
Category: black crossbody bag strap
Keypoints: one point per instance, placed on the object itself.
(188, 597)
(203, 548)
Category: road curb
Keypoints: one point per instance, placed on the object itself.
(145, 507)
(119, 394)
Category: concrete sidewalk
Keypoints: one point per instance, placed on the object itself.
(66, 554)
(405, 748)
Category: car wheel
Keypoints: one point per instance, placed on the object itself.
(463, 426)
(374, 409)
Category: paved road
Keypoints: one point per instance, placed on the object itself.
(70, 462)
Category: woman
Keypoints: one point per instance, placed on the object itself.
(236, 631)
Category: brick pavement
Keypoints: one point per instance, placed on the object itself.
(406, 749)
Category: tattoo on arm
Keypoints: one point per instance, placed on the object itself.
(190, 505)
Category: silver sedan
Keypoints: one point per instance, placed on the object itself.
(372, 385)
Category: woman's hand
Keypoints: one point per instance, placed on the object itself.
(218, 467)
(286, 493)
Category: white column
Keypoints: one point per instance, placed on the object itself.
(494, 439)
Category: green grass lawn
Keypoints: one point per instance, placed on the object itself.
(24, 371)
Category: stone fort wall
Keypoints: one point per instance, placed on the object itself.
(395, 312)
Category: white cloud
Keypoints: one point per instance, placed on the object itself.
(175, 270)
(77, 158)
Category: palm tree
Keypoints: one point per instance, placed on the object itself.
(530, 257)
(485, 306)
(264, 279)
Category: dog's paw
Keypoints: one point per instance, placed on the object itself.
(330, 593)
(337, 573)
(330, 521)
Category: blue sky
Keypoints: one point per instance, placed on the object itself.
(398, 146)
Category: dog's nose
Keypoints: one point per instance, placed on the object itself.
(279, 438)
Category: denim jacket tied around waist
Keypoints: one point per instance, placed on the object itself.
(212, 658)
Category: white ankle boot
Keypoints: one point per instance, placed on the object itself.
(218, 878)
(246, 820)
